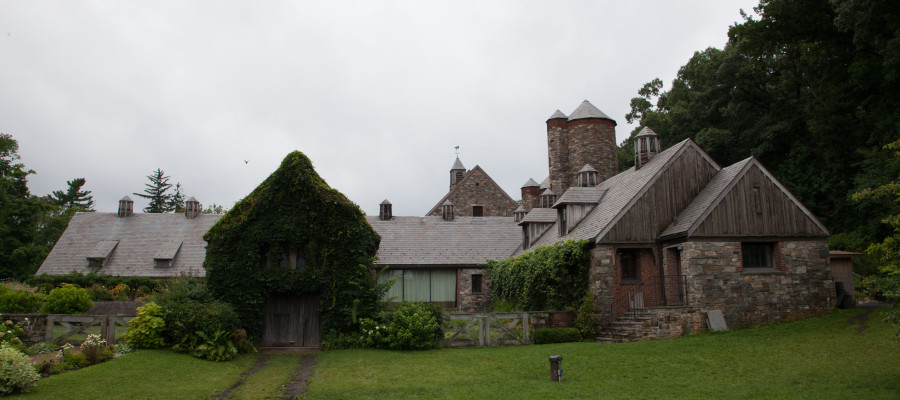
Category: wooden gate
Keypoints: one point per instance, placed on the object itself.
(291, 321)
(486, 329)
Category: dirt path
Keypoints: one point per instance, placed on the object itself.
(863, 319)
(297, 385)
(294, 387)
(260, 363)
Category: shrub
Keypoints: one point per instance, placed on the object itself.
(14, 301)
(547, 278)
(41, 348)
(121, 292)
(16, 372)
(122, 348)
(92, 348)
(188, 307)
(216, 347)
(67, 299)
(11, 332)
(411, 326)
(98, 292)
(146, 330)
(556, 335)
(585, 320)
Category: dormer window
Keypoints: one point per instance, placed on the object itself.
(165, 255)
(563, 221)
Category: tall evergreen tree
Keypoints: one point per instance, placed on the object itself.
(155, 191)
(74, 197)
(177, 201)
(19, 215)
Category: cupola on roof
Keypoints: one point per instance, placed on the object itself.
(457, 165)
(530, 183)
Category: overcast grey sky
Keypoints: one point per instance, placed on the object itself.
(376, 93)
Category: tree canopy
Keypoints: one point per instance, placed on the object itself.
(810, 88)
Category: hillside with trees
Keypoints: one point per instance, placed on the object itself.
(808, 87)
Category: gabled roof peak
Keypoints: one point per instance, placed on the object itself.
(587, 110)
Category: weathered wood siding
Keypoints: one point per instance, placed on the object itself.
(576, 213)
(535, 230)
(657, 207)
(736, 214)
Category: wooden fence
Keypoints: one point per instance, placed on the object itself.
(81, 326)
(487, 329)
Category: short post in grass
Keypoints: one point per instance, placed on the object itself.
(555, 370)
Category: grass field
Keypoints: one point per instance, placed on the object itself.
(823, 358)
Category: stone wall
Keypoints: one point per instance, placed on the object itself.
(573, 144)
(603, 280)
(800, 285)
(467, 299)
(478, 189)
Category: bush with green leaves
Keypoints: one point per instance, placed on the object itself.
(67, 299)
(411, 326)
(544, 279)
(146, 330)
(188, 307)
(556, 335)
(20, 301)
(99, 292)
(48, 282)
(586, 321)
(17, 373)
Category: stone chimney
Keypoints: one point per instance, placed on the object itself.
(126, 207)
(384, 211)
(447, 210)
(191, 208)
(646, 146)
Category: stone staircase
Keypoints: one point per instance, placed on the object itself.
(631, 327)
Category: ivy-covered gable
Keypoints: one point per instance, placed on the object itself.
(294, 235)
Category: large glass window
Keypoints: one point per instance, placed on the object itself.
(425, 285)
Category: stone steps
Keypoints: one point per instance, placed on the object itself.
(628, 328)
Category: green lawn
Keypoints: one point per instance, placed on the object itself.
(821, 358)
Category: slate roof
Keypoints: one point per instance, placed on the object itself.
(432, 241)
(618, 194)
(539, 215)
(530, 183)
(135, 240)
(580, 195)
(558, 114)
(587, 110)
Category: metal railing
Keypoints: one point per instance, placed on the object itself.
(657, 291)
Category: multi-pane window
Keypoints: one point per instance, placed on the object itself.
(426, 285)
(757, 255)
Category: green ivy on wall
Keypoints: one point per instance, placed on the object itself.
(294, 235)
(547, 278)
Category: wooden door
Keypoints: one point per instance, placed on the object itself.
(291, 321)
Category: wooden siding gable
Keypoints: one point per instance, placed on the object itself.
(734, 210)
(673, 186)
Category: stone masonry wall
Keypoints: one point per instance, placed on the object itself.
(479, 189)
(573, 144)
(603, 280)
(800, 285)
(469, 300)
